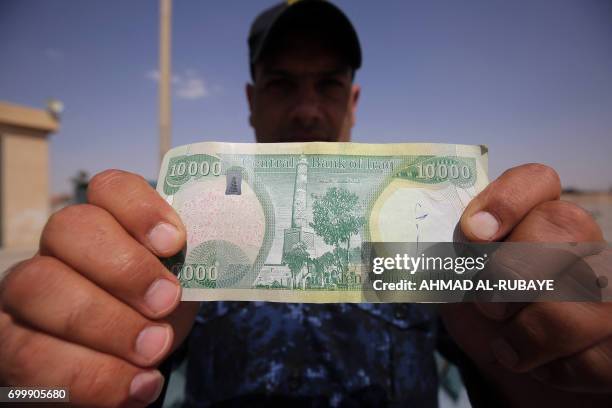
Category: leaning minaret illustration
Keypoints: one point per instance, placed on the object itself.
(298, 216)
(298, 230)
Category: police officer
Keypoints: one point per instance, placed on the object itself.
(96, 311)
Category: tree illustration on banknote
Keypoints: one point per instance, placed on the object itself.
(336, 219)
(296, 258)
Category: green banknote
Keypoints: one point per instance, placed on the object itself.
(287, 222)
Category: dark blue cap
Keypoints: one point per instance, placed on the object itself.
(319, 14)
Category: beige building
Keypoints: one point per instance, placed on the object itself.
(24, 174)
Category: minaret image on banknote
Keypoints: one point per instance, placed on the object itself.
(299, 193)
(298, 232)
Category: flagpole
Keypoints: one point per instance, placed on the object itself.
(165, 98)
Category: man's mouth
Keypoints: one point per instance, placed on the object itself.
(307, 136)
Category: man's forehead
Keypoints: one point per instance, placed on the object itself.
(300, 64)
(304, 53)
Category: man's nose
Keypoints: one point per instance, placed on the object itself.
(307, 109)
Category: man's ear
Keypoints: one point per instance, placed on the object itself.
(355, 92)
(250, 94)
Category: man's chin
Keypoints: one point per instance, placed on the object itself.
(307, 137)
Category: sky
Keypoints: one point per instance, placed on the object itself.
(532, 79)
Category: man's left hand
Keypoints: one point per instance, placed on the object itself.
(534, 353)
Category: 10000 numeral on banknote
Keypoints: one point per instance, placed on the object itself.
(287, 222)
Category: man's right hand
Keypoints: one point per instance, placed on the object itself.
(95, 310)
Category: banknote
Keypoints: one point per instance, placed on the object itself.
(287, 222)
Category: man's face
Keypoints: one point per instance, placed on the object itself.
(303, 92)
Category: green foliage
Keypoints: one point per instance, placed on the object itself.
(335, 219)
(325, 267)
(335, 216)
(340, 256)
(297, 257)
(325, 261)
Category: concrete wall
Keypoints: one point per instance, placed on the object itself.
(24, 174)
(24, 167)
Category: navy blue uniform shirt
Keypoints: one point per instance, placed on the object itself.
(339, 355)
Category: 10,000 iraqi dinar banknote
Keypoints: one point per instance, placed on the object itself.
(286, 222)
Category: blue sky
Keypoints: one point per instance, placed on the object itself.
(532, 79)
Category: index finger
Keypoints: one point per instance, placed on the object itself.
(139, 209)
(493, 213)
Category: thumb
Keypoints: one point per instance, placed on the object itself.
(493, 213)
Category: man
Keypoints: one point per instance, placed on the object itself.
(97, 312)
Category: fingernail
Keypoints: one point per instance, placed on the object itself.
(504, 353)
(147, 386)
(493, 310)
(152, 341)
(164, 237)
(162, 295)
(483, 225)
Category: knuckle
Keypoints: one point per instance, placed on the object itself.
(545, 173)
(24, 278)
(23, 351)
(133, 268)
(563, 211)
(83, 220)
(569, 217)
(79, 315)
(532, 324)
(96, 314)
(510, 198)
(122, 327)
(108, 180)
(69, 217)
(99, 378)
